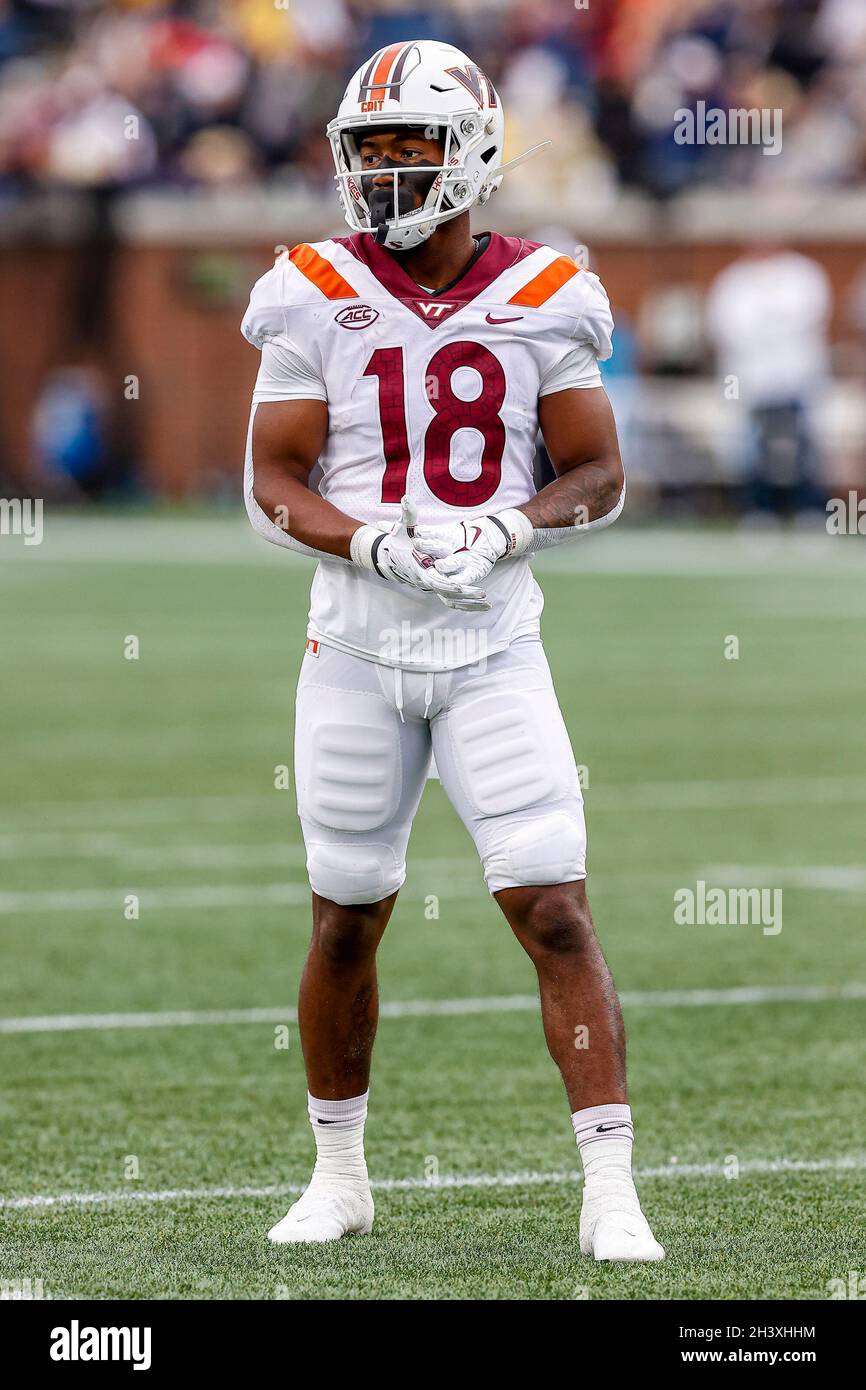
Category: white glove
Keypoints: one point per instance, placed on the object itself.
(396, 555)
(473, 547)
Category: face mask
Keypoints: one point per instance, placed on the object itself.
(381, 200)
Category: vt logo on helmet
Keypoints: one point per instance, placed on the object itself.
(436, 90)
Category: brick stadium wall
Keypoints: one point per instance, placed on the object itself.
(195, 372)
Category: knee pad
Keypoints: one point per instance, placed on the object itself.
(547, 849)
(351, 874)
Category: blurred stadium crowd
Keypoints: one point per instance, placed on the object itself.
(232, 92)
(188, 137)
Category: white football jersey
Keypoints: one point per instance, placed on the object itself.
(431, 395)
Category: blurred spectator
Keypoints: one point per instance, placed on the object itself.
(767, 315)
(671, 329)
(71, 432)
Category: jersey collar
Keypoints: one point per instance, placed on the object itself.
(500, 254)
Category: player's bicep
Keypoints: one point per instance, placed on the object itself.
(578, 427)
(288, 438)
(290, 424)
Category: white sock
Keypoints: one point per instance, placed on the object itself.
(605, 1135)
(338, 1126)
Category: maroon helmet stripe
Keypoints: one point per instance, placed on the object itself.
(396, 75)
(367, 79)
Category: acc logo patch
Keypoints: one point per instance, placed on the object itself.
(357, 316)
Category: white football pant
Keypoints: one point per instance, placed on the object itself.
(364, 735)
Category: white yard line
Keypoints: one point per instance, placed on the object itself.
(156, 899)
(844, 878)
(136, 743)
(64, 844)
(197, 896)
(144, 810)
(841, 878)
(727, 793)
(227, 541)
(843, 1164)
(687, 795)
(436, 1008)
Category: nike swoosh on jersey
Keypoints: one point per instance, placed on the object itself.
(490, 319)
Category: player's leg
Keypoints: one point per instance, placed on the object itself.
(584, 1031)
(338, 1010)
(579, 1005)
(338, 1003)
(505, 760)
(360, 771)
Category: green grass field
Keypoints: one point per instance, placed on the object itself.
(174, 1142)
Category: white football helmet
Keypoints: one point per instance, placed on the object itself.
(437, 88)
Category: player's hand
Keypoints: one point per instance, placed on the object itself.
(475, 546)
(400, 553)
(394, 555)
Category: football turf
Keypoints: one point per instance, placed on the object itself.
(175, 1142)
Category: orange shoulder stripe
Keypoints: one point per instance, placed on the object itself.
(321, 272)
(546, 283)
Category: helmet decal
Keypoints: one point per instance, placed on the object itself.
(386, 69)
(471, 77)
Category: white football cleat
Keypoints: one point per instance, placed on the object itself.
(613, 1227)
(327, 1210)
(621, 1235)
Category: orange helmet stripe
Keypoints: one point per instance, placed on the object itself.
(321, 273)
(538, 290)
(383, 67)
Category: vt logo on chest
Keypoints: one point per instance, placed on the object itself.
(435, 308)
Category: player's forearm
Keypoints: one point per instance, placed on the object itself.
(585, 497)
(303, 515)
(286, 440)
(587, 493)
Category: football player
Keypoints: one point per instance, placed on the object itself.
(405, 372)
